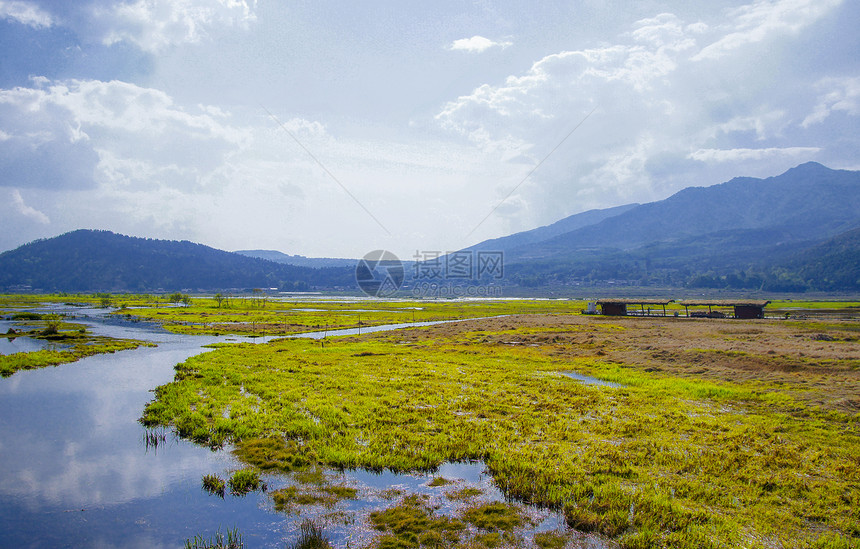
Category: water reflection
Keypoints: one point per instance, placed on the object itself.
(76, 470)
(588, 380)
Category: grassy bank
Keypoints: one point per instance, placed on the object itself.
(72, 341)
(709, 456)
(274, 317)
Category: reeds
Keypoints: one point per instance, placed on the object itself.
(310, 537)
(233, 541)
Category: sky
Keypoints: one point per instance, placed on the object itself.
(331, 129)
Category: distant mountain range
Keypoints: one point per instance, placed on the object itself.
(794, 232)
(746, 233)
(298, 260)
(87, 260)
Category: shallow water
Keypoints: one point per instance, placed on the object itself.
(76, 471)
(588, 380)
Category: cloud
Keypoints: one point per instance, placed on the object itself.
(529, 114)
(653, 102)
(843, 95)
(738, 155)
(763, 19)
(28, 211)
(26, 14)
(153, 25)
(477, 44)
(77, 133)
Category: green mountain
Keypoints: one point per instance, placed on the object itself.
(783, 233)
(833, 265)
(805, 203)
(88, 260)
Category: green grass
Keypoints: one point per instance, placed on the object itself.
(291, 498)
(215, 485)
(310, 537)
(664, 461)
(79, 342)
(257, 317)
(497, 516)
(551, 540)
(233, 541)
(245, 481)
(464, 494)
(413, 523)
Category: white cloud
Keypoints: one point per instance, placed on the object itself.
(28, 211)
(764, 125)
(765, 18)
(737, 155)
(26, 13)
(628, 83)
(654, 103)
(843, 95)
(70, 134)
(477, 44)
(153, 25)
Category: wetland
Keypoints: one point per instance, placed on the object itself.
(521, 424)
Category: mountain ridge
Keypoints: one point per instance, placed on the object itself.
(95, 260)
(686, 213)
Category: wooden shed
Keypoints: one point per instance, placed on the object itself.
(743, 308)
(619, 307)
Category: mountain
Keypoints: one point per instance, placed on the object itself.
(805, 203)
(88, 260)
(298, 260)
(566, 225)
(791, 232)
(833, 265)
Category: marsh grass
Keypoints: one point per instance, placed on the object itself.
(233, 541)
(464, 494)
(310, 537)
(80, 346)
(496, 516)
(153, 438)
(666, 461)
(551, 540)
(245, 481)
(214, 485)
(246, 317)
(320, 492)
(412, 523)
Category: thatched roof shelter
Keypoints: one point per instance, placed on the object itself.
(743, 308)
(618, 306)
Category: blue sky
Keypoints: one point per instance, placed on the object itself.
(332, 129)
